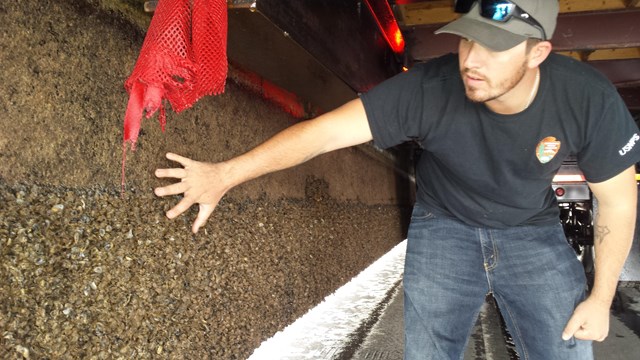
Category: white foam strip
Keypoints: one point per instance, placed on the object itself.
(324, 330)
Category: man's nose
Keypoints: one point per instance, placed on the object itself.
(472, 55)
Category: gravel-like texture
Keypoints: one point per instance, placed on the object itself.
(85, 273)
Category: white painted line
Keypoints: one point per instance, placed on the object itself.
(324, 330)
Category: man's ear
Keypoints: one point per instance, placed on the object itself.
(539, 53)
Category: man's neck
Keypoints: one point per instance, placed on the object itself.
(520, 97)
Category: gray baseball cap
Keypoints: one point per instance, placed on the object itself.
(501, 36)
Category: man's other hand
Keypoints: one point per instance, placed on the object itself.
(590, 321)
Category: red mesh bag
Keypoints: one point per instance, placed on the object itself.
(182, 59)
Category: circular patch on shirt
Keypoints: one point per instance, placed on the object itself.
(547, 148)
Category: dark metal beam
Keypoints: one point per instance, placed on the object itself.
(625, 75)
(617, 29)
(256, 45)
(631, 96)
(624, 72)
(575, 31)
(342, 35)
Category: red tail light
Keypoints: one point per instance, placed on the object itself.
(387, 23)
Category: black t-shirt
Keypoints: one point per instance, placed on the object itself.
(495, 170)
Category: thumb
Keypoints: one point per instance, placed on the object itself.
(574, 324)
(203, 214)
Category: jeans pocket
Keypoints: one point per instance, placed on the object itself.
(421, 214)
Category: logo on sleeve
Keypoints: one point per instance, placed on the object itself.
(632, 142)
(547, 148)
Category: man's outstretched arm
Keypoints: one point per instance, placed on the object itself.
(614, 230)
(205, 183)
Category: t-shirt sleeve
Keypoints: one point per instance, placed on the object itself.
(393, 109)
(613, 143)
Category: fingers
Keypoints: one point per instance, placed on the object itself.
(572, 327)
(179, 173)
(179, 159)
(582, 329)
(180, 207)
(173, 189)
(586, 334)
(205, 211)
(575, 324)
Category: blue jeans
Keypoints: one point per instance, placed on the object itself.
(450, 267)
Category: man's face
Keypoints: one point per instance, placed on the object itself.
(488, 75)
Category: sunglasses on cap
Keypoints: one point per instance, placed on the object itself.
(500, 11)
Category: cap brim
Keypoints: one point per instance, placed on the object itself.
(487, 35)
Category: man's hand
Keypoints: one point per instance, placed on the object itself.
(199, 182)
(590, 321)
(206, 183)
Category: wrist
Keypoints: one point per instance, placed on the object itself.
(600, 300)
(230, 174)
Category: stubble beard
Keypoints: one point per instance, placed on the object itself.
(492, 92)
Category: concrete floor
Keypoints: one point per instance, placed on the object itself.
(385, 340)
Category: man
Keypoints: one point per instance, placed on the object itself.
(495, 122)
